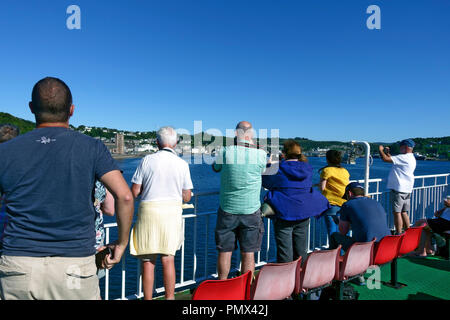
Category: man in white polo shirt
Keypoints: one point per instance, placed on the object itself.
(401, 182)
(163, 181)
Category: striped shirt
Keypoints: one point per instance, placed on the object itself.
(241, 167)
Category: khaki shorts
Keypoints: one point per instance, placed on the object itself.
(48, 278)
(400, 201)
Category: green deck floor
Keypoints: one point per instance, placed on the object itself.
(426, 279)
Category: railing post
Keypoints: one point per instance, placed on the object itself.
(107, 271)
(124, 271)
(182, 255)
(206, 246)
(139, 278)
(378, 190)
(309, 236)
(268, 240)
(424, 202)
(195, 249)
(314, 234)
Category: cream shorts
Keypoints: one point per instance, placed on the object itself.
(48, 278)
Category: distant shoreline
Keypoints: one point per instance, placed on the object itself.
(140, 156)
(127, 156)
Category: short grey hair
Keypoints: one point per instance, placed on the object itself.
(167, 136)
(7, 132)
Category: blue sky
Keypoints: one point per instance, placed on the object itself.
(308, 68)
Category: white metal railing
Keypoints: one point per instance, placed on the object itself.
(425, 200)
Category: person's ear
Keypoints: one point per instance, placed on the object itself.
(72, 109)
(30, 105)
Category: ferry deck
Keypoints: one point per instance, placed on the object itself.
(425, 278)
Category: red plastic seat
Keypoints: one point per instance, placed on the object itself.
(230, 289)
(411, 240)
(387, 249)
(275, 281)
(319, 270)
(356, 260)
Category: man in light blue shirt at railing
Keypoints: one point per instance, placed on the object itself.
(239, 219)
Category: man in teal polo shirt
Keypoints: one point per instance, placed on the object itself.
(239, 219)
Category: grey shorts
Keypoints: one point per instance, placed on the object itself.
(248, 229)
(400, 201)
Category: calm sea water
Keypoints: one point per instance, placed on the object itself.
(204, 179)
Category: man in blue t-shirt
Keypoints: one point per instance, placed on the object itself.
(7, 132)
(366, 217)
(47, 177)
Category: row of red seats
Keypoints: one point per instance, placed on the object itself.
(322, 268)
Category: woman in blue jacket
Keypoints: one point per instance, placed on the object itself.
(294, 201)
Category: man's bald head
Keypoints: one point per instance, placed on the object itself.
(244, 125)
(51, 101)
(244, 130)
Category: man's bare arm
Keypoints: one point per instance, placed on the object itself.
(385, 156)
(322, 184)
(107, 206)
(124, 207)
(136, 190)
(187, 194)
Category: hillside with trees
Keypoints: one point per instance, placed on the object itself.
(438, 147)
(23, 125)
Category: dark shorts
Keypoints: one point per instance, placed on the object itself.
(439, 225)
(248, 229)
(337, 239)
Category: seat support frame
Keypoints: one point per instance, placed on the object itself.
(393, 283)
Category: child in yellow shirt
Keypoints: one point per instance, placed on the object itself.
(333, 180)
